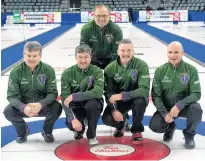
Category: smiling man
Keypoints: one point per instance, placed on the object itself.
(175, 92)
(32, 91)
(102, 36)
(82, 88)
(127, 85)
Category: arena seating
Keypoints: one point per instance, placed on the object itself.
(88, 5)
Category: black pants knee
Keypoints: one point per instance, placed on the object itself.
(89, 110)
(52, 113)
(193, 113)
(137, 106)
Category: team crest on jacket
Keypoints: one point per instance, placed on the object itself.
(134, 75)
(42, 78)
(109, 38)
(184, 78)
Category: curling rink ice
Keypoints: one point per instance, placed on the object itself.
(60, 55)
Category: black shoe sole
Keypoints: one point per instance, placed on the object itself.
(49, 141)
(78, 137)
(138, 139)
(189, 146)
(118, 135)
(21, 141)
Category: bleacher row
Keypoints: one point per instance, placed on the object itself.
(33, 6)
(88, 5)
(194, 5)
(115, 5)
(119, 5)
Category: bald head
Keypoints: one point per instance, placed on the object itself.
(175, 52)
(176, 44)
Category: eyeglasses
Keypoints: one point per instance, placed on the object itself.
(81, 58)
(103, 16)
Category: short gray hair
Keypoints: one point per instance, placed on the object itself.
(82, 49)
(101, 6)
(125, 41)
(32, 46)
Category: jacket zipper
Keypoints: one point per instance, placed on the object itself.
(101, 42)
(81, 85)
(175, 85)
(32, 85)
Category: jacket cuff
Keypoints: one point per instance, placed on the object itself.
(125, 96)
(21, 108)
(164, 115)
(179, 106)
(70, 119)
(75, 97)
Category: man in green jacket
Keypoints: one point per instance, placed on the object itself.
(102, 36)
(175, 92)
(32, 91)
(127, 85)
(82, 88)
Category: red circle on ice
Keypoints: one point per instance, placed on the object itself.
(111, 148)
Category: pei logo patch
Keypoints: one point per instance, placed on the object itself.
(133, 75)
(109, 38)
(184, 78)
(42, 79)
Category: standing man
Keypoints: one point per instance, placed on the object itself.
(32, 91)
(82, 88)
(127, 85)
(175, 92)
(102, 36)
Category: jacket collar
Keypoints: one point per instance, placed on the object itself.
(103, 27)
(177, 66)
(130, 62)
(83, 71)
(37, 67)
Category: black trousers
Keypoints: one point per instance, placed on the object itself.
(193, 113)
(137, 106)
(51, 112)
(89, 110)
